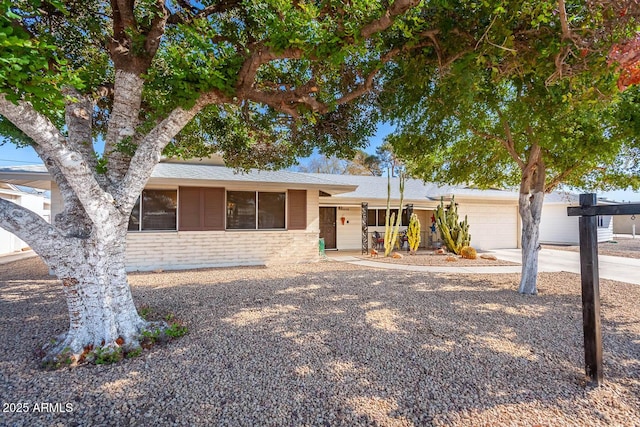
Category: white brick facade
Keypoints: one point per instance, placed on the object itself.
(197, 249)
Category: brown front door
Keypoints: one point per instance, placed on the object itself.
(328, 227)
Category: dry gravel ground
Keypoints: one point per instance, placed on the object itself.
(620, 246)
(332, 344)
(430, 258)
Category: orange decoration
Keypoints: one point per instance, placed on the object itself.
(627, 57)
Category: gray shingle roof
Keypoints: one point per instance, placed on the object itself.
(37, 174)
(361, 187)
(375, 187)
(221, 173)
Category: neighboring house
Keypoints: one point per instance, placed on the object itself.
(203, 214)
(36, 202)
(558, 228)
(627, 224)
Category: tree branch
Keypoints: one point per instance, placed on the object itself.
(559, 178)
(124, 10)
(564, 22)
(286, 101)
(509, 143)
(123, 120)
(71, 163)
(152, 42)
(533, 171)
(260, 56)
(506, 143)
(78, 118)
(30, 227)
(218, 7)
(78, 226)
(565, 51)
(150, 148)
(386, 20)
(121, 46)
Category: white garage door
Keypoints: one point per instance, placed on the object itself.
(491, 226)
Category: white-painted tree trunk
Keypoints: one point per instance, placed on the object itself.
(99, 301)
(85, 247)
(530, 207)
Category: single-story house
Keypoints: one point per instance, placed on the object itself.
(37, 202)
(202, 214)
(492, 214)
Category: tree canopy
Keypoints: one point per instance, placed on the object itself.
(475, 130)
(259, 81)
(282, 73)
(518, 99)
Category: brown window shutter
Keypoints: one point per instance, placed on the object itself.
(214, 211)
(189, 209)
(297, 207)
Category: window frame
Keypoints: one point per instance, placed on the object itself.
(140, 203)
(257, 210)
(380, 216)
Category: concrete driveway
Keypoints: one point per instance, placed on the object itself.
(611, 267)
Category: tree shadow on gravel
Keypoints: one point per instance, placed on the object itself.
(32, 310)
(333, 344)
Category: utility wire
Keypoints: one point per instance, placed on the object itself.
(15, 161)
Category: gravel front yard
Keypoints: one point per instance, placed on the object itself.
(332, 344)
(430, 258)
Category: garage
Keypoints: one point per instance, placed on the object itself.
(492, 226)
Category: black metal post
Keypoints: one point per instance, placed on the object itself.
(365, 227)
(409, 211)
(590, 292)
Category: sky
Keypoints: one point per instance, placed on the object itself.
(10, 155)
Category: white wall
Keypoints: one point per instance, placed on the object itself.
(623, 224)
(175, 250)
(492, 226)
(349, 235)
(605, 233)
(8, 241)
(556, 227)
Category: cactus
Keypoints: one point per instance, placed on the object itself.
(413, 233)
(390, 236)
(455, 234)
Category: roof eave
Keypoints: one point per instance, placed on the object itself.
(40, 180)
(332, 189)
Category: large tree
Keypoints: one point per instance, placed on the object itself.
(528, 102)
(260, 81)
(362, 163)
(324, 164)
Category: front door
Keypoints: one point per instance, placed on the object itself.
(328, 227)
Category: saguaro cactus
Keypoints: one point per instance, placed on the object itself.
(413, 233)
(390, 235)
(455, 234)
